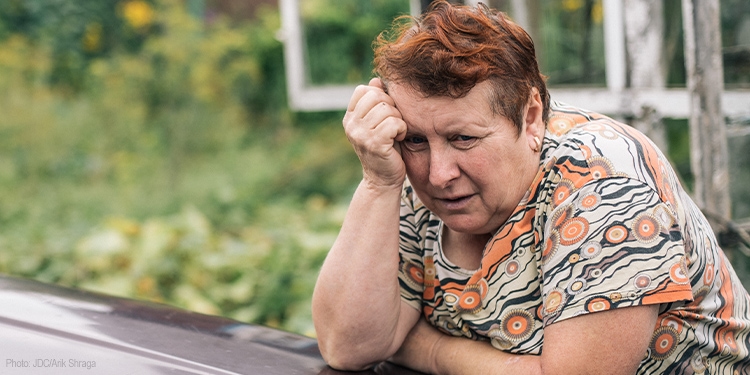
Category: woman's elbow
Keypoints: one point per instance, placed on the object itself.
(348, 357)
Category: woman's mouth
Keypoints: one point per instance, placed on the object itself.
(455, 203)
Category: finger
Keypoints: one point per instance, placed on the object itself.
(401, 133)
(358, 93)
(391, 128)
(373, 107)
(365, 98)
(379, 112)
(377, 82)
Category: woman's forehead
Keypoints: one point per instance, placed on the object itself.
(442, 111)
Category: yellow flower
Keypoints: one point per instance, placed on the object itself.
(572, 5)
(138, 13)
(92, 37)
(597, 13)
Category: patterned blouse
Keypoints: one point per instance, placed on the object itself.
(604, 225)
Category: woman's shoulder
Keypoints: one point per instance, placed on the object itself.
(565, 118)
(594, 146)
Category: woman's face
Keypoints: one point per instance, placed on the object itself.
(467, 165)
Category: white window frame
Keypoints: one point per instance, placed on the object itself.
(614, 99)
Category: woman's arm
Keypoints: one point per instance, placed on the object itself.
(611, 342)
(357, 310)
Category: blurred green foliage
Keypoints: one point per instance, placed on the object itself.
(570, 41)
(339, 35)
(148, 152)
(154, 157)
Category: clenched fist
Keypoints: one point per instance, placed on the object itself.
(374, 127)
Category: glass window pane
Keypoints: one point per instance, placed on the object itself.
(735, 40)
(739, 172)
(674, 44)
(338, 36)
(569, 38)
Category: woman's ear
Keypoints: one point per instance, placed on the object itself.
(533, 122)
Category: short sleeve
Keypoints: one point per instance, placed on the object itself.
(411, 240)
(612, 243)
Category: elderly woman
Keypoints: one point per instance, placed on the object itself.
(494, 231)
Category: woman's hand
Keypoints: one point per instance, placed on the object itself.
(374, 127)
(420, 349)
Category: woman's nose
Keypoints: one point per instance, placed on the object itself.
(443, 168)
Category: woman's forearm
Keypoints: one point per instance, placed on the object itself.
(430, 351)
(579, 345)
(357, 304)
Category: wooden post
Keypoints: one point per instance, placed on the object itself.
(705, 80)
(644, 34)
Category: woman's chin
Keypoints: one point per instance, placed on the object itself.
(466, 225)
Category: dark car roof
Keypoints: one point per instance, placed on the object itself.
(48, 329)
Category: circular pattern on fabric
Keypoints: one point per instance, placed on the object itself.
(554, 301)
(497, 340)
(608, 133)
(550, 246)
(563, 190)
(698, 298)
(573, 231)
(512, 268)
(414, 273)
(586, 151)
(709, 274)
(678, 272)
(450, 299)
(663, 342)
(674, 322)
(576, 286)
(540, 312)
(646, 228)
(483, 287)
(596, 272)
(560, 124)
(597, 304)
(594, 126)
(699, 363)
(591, 249)
(729, 343)
(642, 281)
(429, 269)
(665, 217)
(616, 234)
(574, 258)
(447, 325)
(561, 215)
(470, 300)
(589, 201)
(517, 325)
(615, 297)
(600, 167)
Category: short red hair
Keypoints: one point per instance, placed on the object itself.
(451, 48)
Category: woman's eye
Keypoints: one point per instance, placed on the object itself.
(415, 140)
(415, 143)
(464, 141)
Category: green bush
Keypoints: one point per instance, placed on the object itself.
(173, 170)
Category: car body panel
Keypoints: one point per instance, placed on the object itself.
(48, 329)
